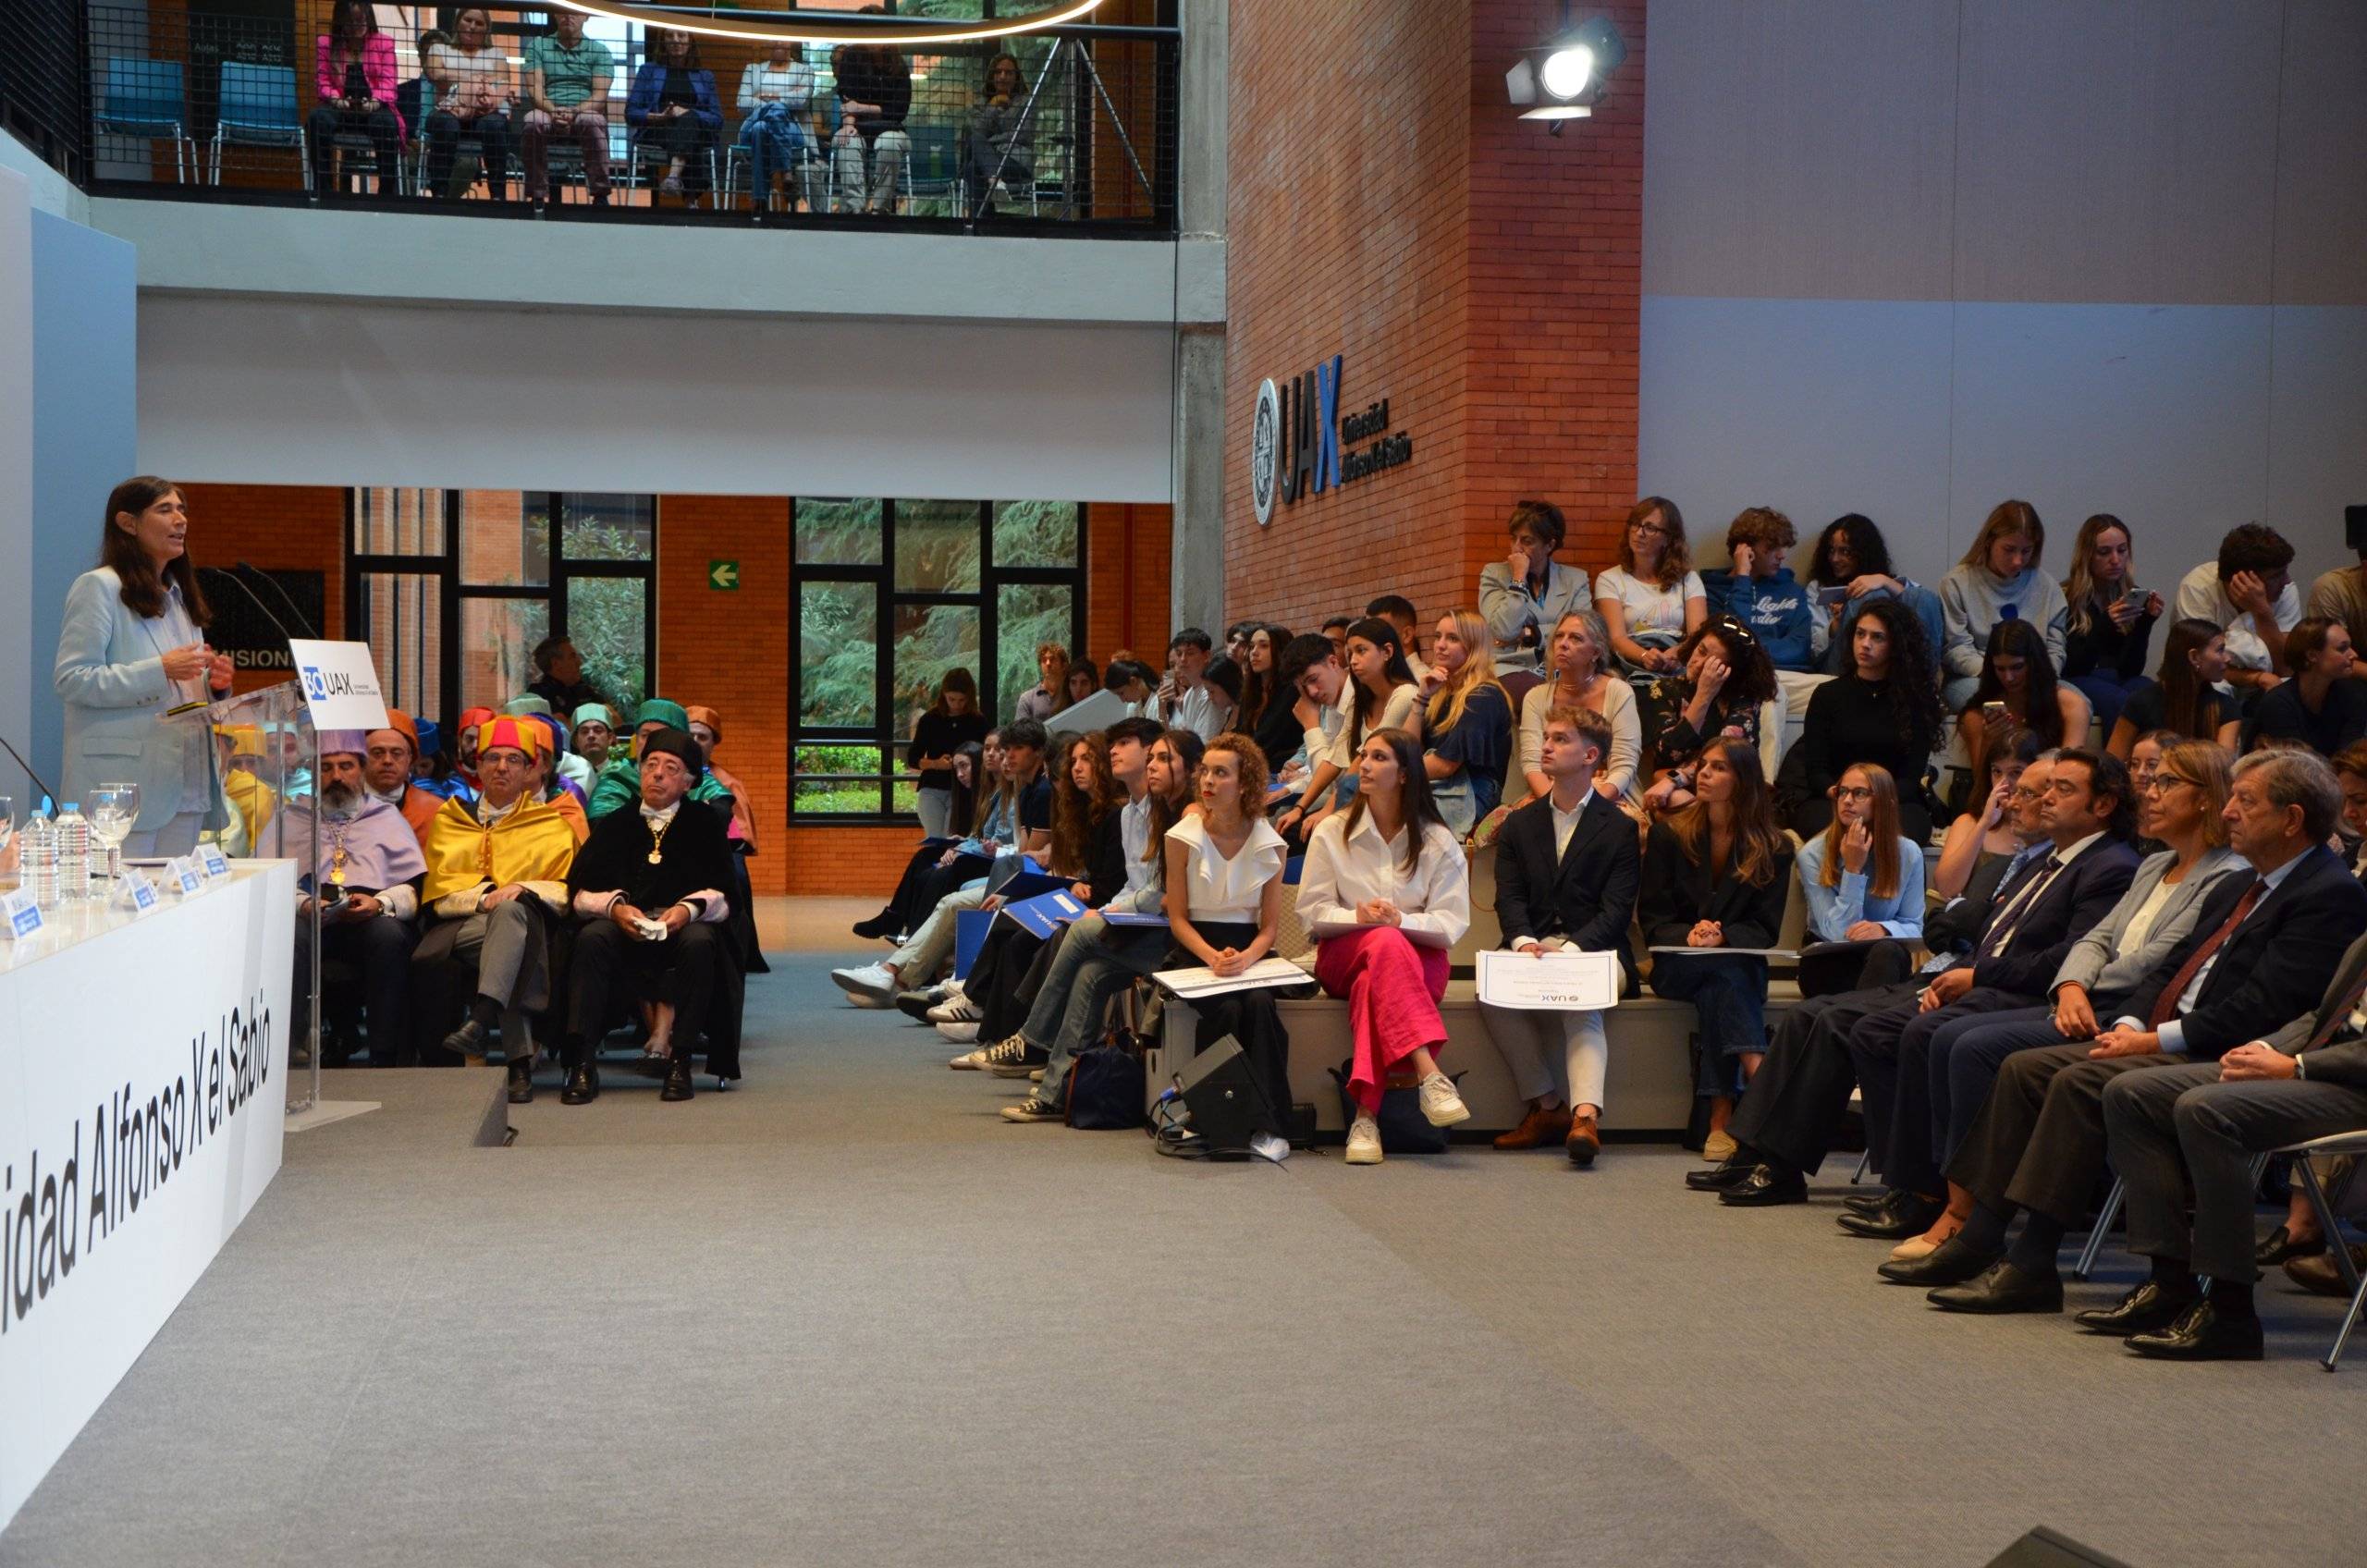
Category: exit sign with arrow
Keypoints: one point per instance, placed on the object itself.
(723, 576)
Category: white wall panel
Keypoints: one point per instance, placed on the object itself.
(290, 392)
(2317, 455)
(16, 474)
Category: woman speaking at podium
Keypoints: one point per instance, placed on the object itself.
(133, 648)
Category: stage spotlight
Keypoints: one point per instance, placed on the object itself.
(1562, 80)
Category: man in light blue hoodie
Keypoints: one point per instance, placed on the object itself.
(1760, 590)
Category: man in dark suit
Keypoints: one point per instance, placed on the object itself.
(2202, 1125)
(2265, 947)
(2090, 813)
(1568, 866)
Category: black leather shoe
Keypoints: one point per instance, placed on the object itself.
(2144, 1310)
(2201, 1333)
(1765, 1188)
(677, 1082)
(878, 925)
(1950, 1263)
(1719, 1178)
(2281, 1246)
(1905, 1216)
(522, 1083)
(467, 1040)
(582, 1084)
(1867, 1203)
(2002, 1289)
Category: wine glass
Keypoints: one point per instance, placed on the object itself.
(114, 808)
(7, 841)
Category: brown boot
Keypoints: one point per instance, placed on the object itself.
(1537, 1128)
(1584, 1140)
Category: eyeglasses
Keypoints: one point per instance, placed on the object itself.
(2024, 792)
(2160, 784)
(1649, 530)
(1855, 792)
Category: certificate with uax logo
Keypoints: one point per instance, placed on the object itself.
(1554, 982)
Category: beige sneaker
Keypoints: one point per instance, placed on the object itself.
(971, 1061)
(1363, 1141)
(1441, 1107)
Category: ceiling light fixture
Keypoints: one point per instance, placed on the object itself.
(893, 34)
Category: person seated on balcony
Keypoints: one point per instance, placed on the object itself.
(620, 782)
(473, 89)
(568, 77)
(870, 146)
(999, 144)
(669, 865)
(389, 762)
(353, 72)
(593, 733)
(674, 107)
(775, 94)
(367, 876)
(497, 877)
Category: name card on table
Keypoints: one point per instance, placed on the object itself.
(21, 915)
(210, 860)
(143, 891)
(183, 873)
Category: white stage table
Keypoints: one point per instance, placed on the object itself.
(143, 1066)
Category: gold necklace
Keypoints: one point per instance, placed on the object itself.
(657, 827)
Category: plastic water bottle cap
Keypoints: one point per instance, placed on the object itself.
(73, 805)
(45, 805)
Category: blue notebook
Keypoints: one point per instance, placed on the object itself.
(1045, 913)
(1030, 885)
(1134, 919)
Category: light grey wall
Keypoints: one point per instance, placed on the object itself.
(16, 475)
(1910, 257)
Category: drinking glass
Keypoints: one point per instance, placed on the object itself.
(114, 808)
(7, 842)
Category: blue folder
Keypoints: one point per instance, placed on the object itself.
(970, 926)
(1044, 913)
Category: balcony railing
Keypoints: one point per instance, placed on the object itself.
(1077, 130)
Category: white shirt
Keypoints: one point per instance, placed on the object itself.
(2141, 918)
(793, 84)
(1197, 712)
(2201, 597)
(1648, 606)
(2171, 1034)
(1221, 889)
(1397, 712)
(1141, 893)
(1343, 871)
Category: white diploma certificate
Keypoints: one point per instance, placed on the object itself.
(1550, 982)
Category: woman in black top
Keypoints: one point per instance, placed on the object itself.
(2184, 695)
(2017, 688)
(2322, 705)
(1716, 875)
(1885, 711)
(952, 722)
(1270, 709)
(868, 151)
(2111, 622)
(1725, 678)
(673, 107)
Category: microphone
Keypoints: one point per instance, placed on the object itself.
(285, 602)
(29, 769)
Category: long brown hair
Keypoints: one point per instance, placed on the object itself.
(1676, 555)
(2206, 765)
(1881, 824)
(1417, 810)
(143, 585)
(1166, 811)
(2007, 519)
(2079, 587)
(1075, 812)
(1757, 840)
(2181, 688)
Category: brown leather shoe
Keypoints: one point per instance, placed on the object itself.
(2315, 1271)
(1537, 1128)
(1584, 1140)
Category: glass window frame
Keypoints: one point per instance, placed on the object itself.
(453, 591)
(880, 576)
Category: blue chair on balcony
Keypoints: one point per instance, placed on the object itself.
(144, 99)
(933, 167)
(258, 109)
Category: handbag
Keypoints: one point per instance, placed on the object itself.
(1106, 1084)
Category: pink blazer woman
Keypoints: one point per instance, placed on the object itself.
(377, 69)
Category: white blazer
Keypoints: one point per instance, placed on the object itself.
(110, 673)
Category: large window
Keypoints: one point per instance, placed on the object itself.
(890, 595)
(453, 588)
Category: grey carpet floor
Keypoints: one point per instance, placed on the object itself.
(846, 1315)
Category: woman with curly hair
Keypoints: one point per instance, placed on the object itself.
(1725, 679)
(1885, 711)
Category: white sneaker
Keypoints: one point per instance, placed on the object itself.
(1033, 1109)
(970, 1061)
(961, 1013)
(948, 1007)
(1264, 1146)
(1037, 1076)
(870, 985)
(960, 1033)
(1363, 1141)
(1441, 1107)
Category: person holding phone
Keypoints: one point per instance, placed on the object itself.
(132, 646)
(2018, 690)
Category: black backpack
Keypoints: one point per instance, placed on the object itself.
(1106, 1086)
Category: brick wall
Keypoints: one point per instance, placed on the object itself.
(1482, 276)
(278, 528)
(1125, 593)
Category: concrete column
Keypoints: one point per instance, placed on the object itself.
(1196, 585)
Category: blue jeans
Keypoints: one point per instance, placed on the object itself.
(1729, 997)
(2107, 693)
(773, 139)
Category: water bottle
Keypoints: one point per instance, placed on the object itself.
(40, 858)
(73, 854)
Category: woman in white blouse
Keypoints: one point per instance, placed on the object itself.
(1380, 694)
(1386, 892)
(774, 94)
(1653, 598)
(1580, 653)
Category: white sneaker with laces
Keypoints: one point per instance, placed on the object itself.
(958, 1019)
(1363, 1141)
(869, 985)
(960, 1033)
(970, 1061)
(943, 1010)
(1441, 1107)
(1033, 1109)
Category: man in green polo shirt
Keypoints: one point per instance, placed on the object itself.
(568, 77)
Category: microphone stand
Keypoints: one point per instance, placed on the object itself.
(313, 866)
(286, 602)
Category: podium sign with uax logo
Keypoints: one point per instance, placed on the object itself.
(340, 682)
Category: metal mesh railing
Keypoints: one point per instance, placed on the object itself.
(1072, 126)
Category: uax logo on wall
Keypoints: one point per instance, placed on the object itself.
(1301, 445)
